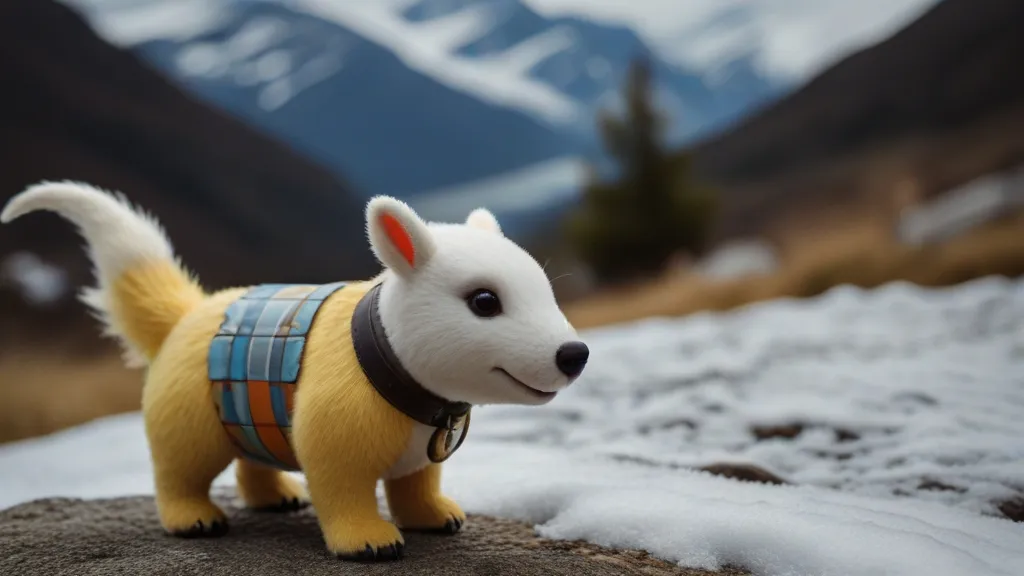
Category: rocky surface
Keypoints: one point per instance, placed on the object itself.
(123, 536)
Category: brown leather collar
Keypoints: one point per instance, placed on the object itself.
(388, 376)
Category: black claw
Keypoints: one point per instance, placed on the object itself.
(368, 554)
(294, 504)
(200, 530)
(286, 505)
(451, 526)
(219, 528)
(390, 552)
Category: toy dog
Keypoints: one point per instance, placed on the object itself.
(349, 383)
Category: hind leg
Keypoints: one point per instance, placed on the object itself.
(269, 489)
(183, 480)
(187, 442)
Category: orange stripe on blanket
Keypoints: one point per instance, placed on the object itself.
(277, 444)
(260, 406)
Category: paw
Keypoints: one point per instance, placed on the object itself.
(440, 514)
(283, 494)
(193, 519)
(368, 541)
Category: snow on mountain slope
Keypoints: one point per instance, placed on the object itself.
(353, 105)
(258, 55)
(426, 47)
(347, 82)
(430, 48)
(587, 62)
(125, 23)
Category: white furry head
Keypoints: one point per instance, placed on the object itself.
(469, 313)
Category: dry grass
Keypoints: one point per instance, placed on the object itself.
(42, 391)
(861, 254)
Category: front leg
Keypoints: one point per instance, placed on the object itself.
(346, 506)
(416, 502)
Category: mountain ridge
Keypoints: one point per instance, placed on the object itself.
(480, 68)
(939, 102)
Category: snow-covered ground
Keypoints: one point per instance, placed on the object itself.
(911, 403)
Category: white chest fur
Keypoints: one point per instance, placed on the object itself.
(414, 458)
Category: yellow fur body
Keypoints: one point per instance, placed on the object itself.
(346, 437)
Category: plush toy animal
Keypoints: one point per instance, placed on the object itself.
(350, 383)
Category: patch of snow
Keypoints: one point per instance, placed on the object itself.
(126, 24)
(928, 386)
(39, 283)
(518, 190)
(963, 208)
(255, 37)
(273, 65)
(738, 259)
(275, 94)
(281, 90)
(253, 43)
(202, 59)
(524, 56)
(253, 57)
(451, 32)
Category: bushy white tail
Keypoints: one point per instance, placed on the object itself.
(141, 289)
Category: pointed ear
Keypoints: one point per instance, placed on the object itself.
(398, 237)
(483, 219)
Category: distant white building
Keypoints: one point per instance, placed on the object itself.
(961, 209)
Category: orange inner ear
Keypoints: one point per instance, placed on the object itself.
(399, 237)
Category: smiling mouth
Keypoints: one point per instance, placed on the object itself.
(533, 391)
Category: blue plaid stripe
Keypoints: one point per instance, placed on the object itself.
(258, 351)
(280, 406)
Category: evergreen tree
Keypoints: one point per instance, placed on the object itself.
(630, 226)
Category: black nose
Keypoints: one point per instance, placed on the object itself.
(571, 358)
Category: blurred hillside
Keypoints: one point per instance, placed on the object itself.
(936, 105)
(240, 206)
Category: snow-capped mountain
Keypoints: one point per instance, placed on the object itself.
(403, 96)
(587, 61)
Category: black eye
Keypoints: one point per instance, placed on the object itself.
(484, 303)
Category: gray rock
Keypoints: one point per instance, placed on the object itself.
(60, 536)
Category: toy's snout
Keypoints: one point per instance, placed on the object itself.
(571, 358)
